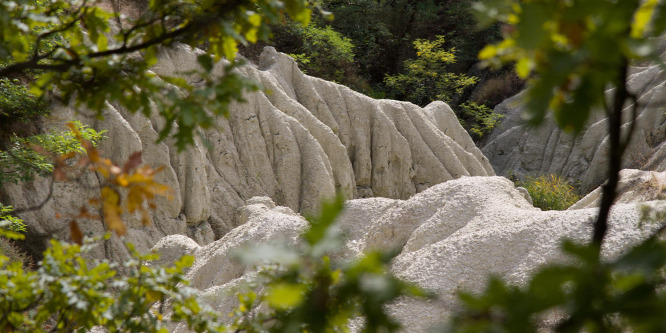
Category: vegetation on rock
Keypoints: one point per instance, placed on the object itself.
(25, 158)
(550, 192)
(428, 77)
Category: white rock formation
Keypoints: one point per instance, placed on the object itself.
(634, 186)
(449, 237)
(297, 144)
(514, 149)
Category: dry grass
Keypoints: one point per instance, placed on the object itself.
(550, 192)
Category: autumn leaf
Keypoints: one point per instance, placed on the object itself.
(112, 211)
(75, 232)
(132, 162)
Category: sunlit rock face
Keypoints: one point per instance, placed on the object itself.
(514, 149)
(300, 140)
(449, 237)
(634, 186)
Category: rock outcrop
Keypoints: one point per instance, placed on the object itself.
(451, 236)
(300, 141)
(516, 150)
(634, 186)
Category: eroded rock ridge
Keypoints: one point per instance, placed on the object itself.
(300, 141)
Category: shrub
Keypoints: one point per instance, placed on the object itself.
(15, 225)
(428, 77)
(320, 52)
(66, 294)
(18, 104)
(478, 119)
(21, 162)
(12, 223)
(550, 192)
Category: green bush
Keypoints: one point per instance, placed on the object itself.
(12, 224)
(428, 77)
(67, 294)
(18, 104)
(478, 119)
(320, 52)
(20, 162)
(550, 192)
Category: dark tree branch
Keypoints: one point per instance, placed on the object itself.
(83, 10)
(616, 151)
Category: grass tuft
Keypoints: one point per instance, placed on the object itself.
(550, 192)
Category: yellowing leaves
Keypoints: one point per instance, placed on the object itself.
(129, 189)
(285, 296)
(642, 18)
(229, 47)
(112, 211)
(523, 67)
(488, 52)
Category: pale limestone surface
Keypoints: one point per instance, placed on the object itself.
(300, 141)
(449, 237)
(634, 186)
(514, 149)
(173, 247)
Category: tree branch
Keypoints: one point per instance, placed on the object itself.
(615, 158)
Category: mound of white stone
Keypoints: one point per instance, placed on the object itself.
(449, 237)
(298, 142)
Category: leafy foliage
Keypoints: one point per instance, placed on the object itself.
(383, 32)
(550, 192)
(127, 189)
(93, 53)
(11, 223)
(478, 119)
(24, 158)
(11, 228)
(322, 52)
(67, 294)
(306, 291)
(17, 104)
(428, 77)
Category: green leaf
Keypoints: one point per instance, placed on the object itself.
(642, 18)
(285, 296)
(206, 61)
(321, 224)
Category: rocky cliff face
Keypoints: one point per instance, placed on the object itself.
(514, 149)
(300, 141)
